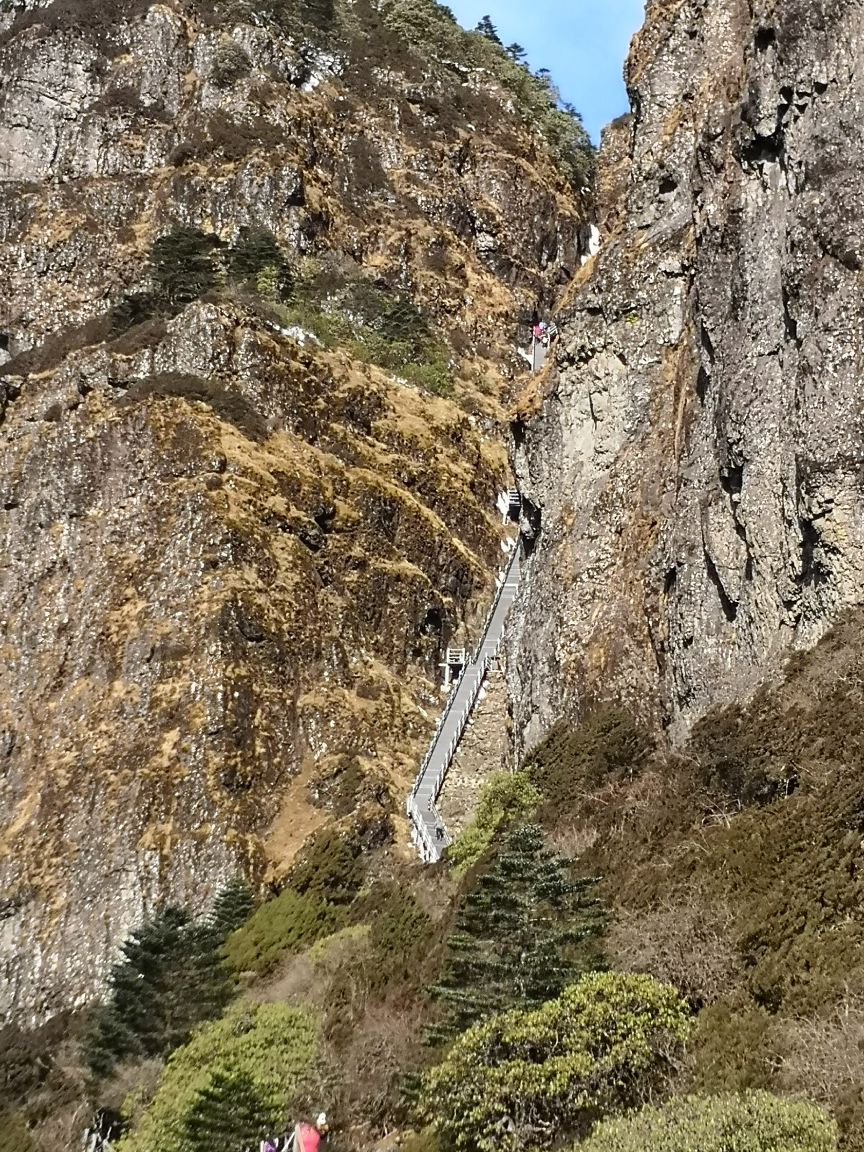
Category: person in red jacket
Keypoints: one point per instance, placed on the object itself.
(307, 1137)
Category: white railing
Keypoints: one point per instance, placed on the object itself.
(425, 824)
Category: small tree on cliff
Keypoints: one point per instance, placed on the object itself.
(232, 907)
(486, 28)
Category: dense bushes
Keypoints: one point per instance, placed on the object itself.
(288, 923)
(313, 905)
(256, 261)
(401, 935)
(186, 263)
(732, 868)
(234, 1079)
(378, 324)
(331, 869)
(431, 28)
(756, 1122)
(181, 263)
(607, 746)
(605, 1045)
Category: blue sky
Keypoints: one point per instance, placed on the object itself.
(582, 42)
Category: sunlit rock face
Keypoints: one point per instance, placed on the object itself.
(230, 560)
(696, 456)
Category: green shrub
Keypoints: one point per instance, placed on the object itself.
(300, 16)
(432, 374)
(230, 63)
(733, 1050)
(755, 1122)
(331, 869)
(231, 908)
(401, 936)
(235, 1078)
(605, 1045)
(505, 798)
(431, 29)
(375, 323)
(170, 979)
(424, 23)
(288, 923)
(256, 260)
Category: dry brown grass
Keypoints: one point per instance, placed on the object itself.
(687, 943)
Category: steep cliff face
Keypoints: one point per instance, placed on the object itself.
(231, 554)
(696, 452)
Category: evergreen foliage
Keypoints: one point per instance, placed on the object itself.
(231, 908)
(376, 323)
(170, 979)
(524, 933)
(186, 263)
(754, 1122)
(608, 746)
(605, 1045)
(278, 927)
(505, 798)
(299, 17)
(330, 870)
(486, 28)
(228, 1112)
(431, 29)
(181, 263)
(255, 254)
(400, 936)
(232, 1083)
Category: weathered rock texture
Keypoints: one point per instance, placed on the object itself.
(696, 452)
(229, 563)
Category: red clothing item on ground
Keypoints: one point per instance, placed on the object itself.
(310, 1138)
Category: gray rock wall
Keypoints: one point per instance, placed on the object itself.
(697, 452)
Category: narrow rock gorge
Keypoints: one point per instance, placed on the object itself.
(269, 276)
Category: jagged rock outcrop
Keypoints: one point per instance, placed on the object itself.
(696, 453)
(231, 556)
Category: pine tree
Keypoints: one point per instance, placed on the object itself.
(181, 263)
(516, 53)
(233, 905)
(172, 977)
(524, 933)
(486, 28)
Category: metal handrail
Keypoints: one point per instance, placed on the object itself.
(430, 850)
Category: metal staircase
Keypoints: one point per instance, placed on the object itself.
(427, 829)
